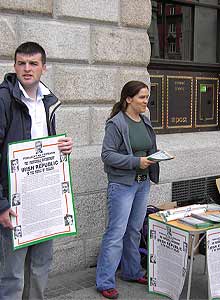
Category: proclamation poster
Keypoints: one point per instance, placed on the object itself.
(40, 191)
(213, 262)
(167, 259)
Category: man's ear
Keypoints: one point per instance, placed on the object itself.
(44, 69)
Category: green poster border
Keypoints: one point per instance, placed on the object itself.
(207, 263)
(148, 287)
(41, 240)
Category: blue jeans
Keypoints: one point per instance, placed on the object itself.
(12, 265)
(127, 208)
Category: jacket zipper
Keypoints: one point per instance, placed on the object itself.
(51, 113)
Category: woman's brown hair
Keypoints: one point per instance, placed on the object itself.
(130, 89)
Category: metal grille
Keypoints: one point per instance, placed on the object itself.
(199, 190)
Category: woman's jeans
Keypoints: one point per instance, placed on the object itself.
(12, 269)
(127, 208)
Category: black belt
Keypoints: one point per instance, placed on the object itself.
(140, 178)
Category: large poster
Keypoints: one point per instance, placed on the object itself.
(40, 191)
(213, 262)
(168, 255)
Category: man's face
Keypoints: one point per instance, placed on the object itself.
(18, 231)
(14, 164)
(16, 198)
(38, 146)
(29, 69)
(65, 187)
(63, 157)
(69, 220)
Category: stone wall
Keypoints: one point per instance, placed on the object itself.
(93, 48)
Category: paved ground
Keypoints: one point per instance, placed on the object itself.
(81, 286)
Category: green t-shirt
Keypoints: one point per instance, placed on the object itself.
(139, 139)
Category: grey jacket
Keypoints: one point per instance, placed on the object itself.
(119, 162)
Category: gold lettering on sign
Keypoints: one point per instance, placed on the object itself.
(179, 101)
(179, 82)
(179, 88)
(181, 120)
(178, 120)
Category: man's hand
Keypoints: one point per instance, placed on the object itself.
(145, 163)
(5, 218)
(65, 145)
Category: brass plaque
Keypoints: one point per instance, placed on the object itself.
(206, 102)
(156, 101)
(179, 101)
(183, 100)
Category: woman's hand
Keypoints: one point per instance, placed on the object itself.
(65, 145)
(145, 163)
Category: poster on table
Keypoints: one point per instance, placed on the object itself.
(167, 259)
(213, 262)
(40, 191)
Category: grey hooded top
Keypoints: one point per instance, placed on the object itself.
(119, 162)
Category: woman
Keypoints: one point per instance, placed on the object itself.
(129, 138)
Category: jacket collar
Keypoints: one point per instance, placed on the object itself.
(121, 118)
(41, 91)
(11, 83)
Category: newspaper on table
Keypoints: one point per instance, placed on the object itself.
(160, 155)
(40, 191)
(213, 206)
(195, 222)
(168, 256)
(181, 212)
(213, 261)
(211, 217)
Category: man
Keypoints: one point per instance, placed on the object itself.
(65, 187)
(38, 147)
(68, 220)
(27, 110)
(16, 199)
(17, 231)
(14, 165)
(63, 157)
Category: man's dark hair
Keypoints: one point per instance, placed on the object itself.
(31, 48)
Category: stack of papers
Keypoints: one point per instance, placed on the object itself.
(197, 223)
(213, 206)
(160, 156)
(202, 220)
(181, 212)
(213, 217)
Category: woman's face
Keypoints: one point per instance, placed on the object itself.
(138, 103)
